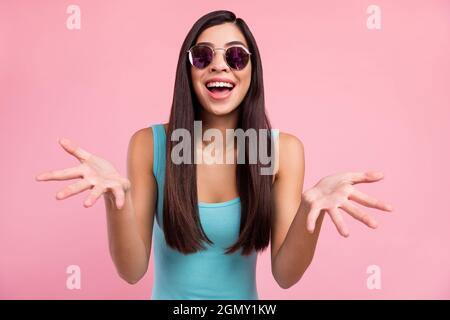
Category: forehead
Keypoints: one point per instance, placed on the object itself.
(221, 35)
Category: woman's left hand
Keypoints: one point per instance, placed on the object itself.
(335, 192)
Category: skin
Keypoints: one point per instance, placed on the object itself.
(131, 202)
(219, 114)
(213, 109)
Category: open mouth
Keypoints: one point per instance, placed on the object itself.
(219, 89)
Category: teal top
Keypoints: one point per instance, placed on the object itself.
(206, 274)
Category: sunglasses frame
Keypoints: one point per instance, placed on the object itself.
(214, 54)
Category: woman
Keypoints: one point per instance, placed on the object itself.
(211, 218)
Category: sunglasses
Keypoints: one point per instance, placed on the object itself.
(201, 56)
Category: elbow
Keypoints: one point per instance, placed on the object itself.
(131, 273)
(280, 277)
(132, 276)
(285, 280)
(130, 279)
(285, 283)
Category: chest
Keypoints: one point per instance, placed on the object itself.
(216, 182)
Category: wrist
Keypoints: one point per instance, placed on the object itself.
(310, 195)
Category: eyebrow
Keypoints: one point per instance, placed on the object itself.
(226, 44)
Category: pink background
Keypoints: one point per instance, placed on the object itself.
(359, 99)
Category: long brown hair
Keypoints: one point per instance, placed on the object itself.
(181, 223)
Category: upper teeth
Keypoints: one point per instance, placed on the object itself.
(219, 84)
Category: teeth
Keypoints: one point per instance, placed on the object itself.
(219, 84)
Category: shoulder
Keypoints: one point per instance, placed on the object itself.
(291, 153)
(288, 140)
(140, 149)
(143, 138)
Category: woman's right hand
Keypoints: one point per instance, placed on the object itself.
(95, 173)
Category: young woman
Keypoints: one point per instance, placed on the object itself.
(213, 219)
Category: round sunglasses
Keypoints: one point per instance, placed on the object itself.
(201, 56)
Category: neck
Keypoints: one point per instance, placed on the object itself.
(220, 122)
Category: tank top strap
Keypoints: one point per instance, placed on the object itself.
(275, 133)
(159, 151)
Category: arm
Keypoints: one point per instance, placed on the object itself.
(292, 246)
(298, 216)
(130, 203)
(130, 228)
(297, 251)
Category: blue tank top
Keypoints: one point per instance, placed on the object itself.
(209, 273)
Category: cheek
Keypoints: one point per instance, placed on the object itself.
(196, 83)
(245, 80)
(197, 88)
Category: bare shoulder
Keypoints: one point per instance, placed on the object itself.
(291, 153)
(288, 140)
(140, 149)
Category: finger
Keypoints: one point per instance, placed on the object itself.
(74, 149)
(73, 189)
(96, 192)
(338, 222)
(368, 176)
(312, 218)
(367, 201)
(63, 174)
(358, 214)
(119, 195)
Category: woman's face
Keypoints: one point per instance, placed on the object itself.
(221, 103)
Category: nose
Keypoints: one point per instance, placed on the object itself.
(218, 64)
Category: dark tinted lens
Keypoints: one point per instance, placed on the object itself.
(237, 57)
(201, 56)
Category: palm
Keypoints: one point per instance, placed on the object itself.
(334, 192)
(96, 173)
(98, 169)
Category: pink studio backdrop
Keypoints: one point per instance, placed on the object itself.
(359, 99)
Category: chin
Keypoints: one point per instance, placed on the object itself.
(220, 110)
(218, 107)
